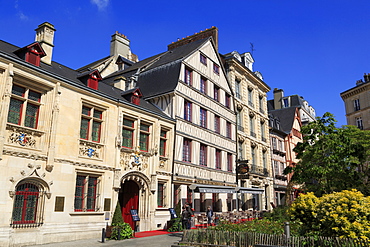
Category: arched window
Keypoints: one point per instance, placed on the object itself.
(28, 205)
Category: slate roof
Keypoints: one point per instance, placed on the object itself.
(158, 74)
(71, 76)
(286, 117)
(295, 101)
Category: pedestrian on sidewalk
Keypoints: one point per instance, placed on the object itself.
(209, 215)
(186, 216)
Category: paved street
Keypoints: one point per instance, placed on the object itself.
(154, 241)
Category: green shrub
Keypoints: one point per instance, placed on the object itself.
(176, 225)
(124, 229)
(340, 214)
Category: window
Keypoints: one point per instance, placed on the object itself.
(144, 137)
(218, 159)
(260, 101)
(188, 76)
(187, 110)
(186, 150)
(250, 97)
(229, 162)
(228, 130)
(251, 126)
(217, 124)
(203, 118)
(28, 204)
(253, 154)
(216, 93)
(203, 85)
(86, 193)
(91, 122)
(203, 155)
(239, 120)
(286, 102)
(227, 100)
(176, 196)
(237, 89)
(263, 131)
(24, 107)
(264, 159)
(240, 151)
(128, 133)
(163, 143)
(356, 104)
(203, 59)
(216, 69)
(359, 123)
(161, 195)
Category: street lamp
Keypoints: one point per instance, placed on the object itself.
(192, 187)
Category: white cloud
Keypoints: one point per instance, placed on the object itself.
(102, 4)
(22, 16)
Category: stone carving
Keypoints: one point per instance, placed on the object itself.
(134, 160)
(23, 139)
(90, 149)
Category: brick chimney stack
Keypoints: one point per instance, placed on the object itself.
(45, 36)
(278, 95)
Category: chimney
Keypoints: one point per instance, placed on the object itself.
(45, 36)
(120, 45)
(278, 95)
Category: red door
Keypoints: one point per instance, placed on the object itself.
(129, 199)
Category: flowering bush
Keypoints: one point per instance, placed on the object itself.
(343, 214)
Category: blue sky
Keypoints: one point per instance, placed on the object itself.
(313, 48)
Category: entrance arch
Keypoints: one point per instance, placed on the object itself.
(129, 199)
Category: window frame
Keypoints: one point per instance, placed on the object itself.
(228, 130)
(216, 93)
(218, 159)
(227, 100)
(129, 129)
(161, 194)
(163, 142)
(203, 85)
(144, 134)
(203, 59)
(188, 76)
(229, 162)
(217, 124)
(92, 133)
(186, 150)
(216, 69)
(87, 197)
(188, 110)
(26, 102)
(203, 118)
(203, 155)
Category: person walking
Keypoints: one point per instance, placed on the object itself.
(186, 216)
(209, 215)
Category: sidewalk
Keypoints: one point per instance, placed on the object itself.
(152, 241)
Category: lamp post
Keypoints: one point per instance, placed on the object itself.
(192, 187)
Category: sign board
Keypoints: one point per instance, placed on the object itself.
(173, 213)
(135, 216)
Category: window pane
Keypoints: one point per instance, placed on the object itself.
(98, 114)
(91, 193)
(160, 195)
(84, 130)
(15, 109)
(17, 90)
(96, 131)
(144, 127)
(34, 96)
(128, 123)
(31, 116)
(86, 111)
(127, 136)
(18, 206)
(79, 192)
(162, 148)
(30, 213)
(144, 141)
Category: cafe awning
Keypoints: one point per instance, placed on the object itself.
(212, 188)
(250, 190)
(202, 188)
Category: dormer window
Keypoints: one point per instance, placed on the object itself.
(133, 96)
(31, 53)
(91, 79)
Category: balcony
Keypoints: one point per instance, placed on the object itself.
(259, 171)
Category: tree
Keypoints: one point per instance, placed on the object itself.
(331, 159)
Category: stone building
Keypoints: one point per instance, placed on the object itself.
(71, 146)
(357, 103)
(188, 83)
(253, 145)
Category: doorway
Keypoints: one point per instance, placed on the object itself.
(129, 199)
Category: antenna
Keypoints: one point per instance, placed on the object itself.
(252, 48)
